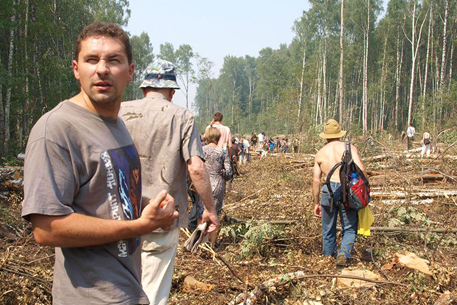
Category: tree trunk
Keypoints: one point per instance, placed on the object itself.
(300, 97)
(2, 114)
(318, 102)
(25, 119)
(414, 51)
(443, 57)
(365, 74)
(9, 74)
(398, 76)
(450, 63)
(38, 76)
(341, 92)
(324, 82)
(424, 91)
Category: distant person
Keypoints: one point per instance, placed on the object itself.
(234, 157)
(371, 141)
(271, 145)
(403, 136)
(169, 145)
(82, 189)
(410, 135)
(219, 169)
(261, 138)
(285, 146)
(254, 139)
(242, 154)
(278, 145)
(295, 145)
(247, 151)
(324, 161)
(426, 143)
(225, 141)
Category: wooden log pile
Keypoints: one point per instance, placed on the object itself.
(11, 179)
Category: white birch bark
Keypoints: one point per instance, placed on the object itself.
(443, 54)
(424, 88)
(302, 77)
(414, 51)
(365, 74)
(398, 77)
(341, 92)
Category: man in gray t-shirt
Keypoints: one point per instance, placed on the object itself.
(169, 145)
(83, 181)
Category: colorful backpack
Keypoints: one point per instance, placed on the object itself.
(355, 188)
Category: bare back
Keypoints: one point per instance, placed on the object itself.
(331, 154)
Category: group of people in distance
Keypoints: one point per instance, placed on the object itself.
(425, 142)
(106, 182)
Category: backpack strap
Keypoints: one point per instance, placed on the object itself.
(327, 181)
(344, 171)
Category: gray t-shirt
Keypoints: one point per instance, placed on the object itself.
(166, 137)
(77, 161)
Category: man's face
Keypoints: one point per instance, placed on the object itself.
(103, 70)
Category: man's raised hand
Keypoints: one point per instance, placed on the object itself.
(160, 212)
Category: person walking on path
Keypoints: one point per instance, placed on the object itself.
(220, 171)
(169, 145)
(325, 159)
(426, 143)
(225, 141)
(253, 139)
(261, 139)
(82, 189)
(410, 135)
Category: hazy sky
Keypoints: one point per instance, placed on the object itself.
(216, 28)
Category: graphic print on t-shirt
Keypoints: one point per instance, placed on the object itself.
(124, 184)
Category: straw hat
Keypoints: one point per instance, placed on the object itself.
(332, 130)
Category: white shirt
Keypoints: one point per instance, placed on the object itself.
(261, 137)
(410, 131)
(246, 145)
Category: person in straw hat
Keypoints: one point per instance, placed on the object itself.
(325, 159)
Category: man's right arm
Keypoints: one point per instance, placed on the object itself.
(78, 230)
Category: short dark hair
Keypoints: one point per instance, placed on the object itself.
(218, 117)
(212, 135)
(107, 30)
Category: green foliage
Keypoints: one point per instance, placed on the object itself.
(417, 280)
(235, 231)
(37, 75)
(256, 239)
(253, 242)
(407, 216)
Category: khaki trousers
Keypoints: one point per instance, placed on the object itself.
(157, 264)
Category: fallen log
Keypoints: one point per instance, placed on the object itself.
(256, 294)
(410, 230)
(412, 195)
(377, 158)
(372, 173)
(403, 201)
(414, 230)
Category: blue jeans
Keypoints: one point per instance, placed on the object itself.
(348, 220)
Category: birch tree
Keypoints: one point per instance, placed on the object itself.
(414, 40)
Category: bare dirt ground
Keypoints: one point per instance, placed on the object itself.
(271, 242)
